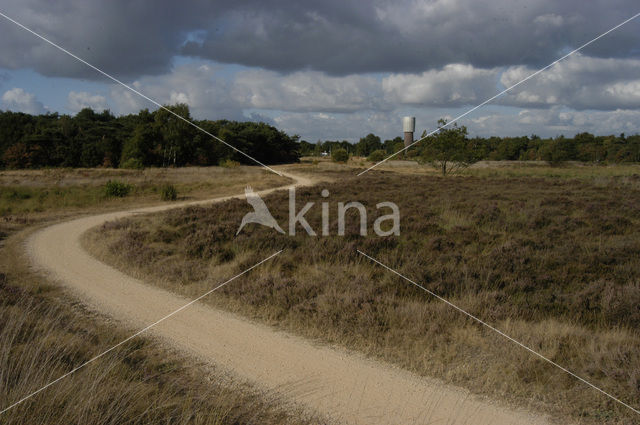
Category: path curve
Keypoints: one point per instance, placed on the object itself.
(338, 384)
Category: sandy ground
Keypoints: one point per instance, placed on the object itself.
(337, 384)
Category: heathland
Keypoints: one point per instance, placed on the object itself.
(547, 255)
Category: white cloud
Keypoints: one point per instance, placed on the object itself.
(554, 121)
(453, 85)
(126, 101)
(341, 37)
(307, 91)
(196, 84)
(18, 100)
(579, 82)
(339, 126)
(319, 106)
(178, 97)
(77, 101)
(211, 94)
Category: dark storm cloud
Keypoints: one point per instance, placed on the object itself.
(132, 38)
(127, 38)
(343, 37)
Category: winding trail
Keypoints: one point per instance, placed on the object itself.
(335, 383)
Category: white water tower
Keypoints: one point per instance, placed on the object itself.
(408, 126)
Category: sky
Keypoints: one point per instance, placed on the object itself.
(333, 69)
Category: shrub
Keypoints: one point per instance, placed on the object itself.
(377, 156)
(114, 188)
(340, 155)
(15, 194)
(168, 192)
(229, 163)
(132, 163)
(449, 149)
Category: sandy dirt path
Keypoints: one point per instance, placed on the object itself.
(337, 384)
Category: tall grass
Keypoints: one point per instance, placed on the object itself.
(139, 383)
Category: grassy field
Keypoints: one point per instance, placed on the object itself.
(44, 333)
(542, 169)
(31, 194)
(550, 259)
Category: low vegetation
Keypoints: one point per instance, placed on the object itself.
(29, 195)
(339, 155)
(551, 261)
(45, 333)
(168, 192)
(377, 156)
(117, 189)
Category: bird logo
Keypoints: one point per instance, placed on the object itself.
(260, 214)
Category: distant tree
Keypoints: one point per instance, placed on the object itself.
(306, 148)
(615, 148)
(156, 138)
(319, 148)
(450, 150)
(508, 148)
(587, 147)
(30, 152)
(339, 155)
(263, 142)
(377, 156)
(368, 144)
(139, 148)
(558, 150)
(633, 148)
(177, 134)
(16, 156)
(393, 145)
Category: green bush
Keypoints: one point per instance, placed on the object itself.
(14, 194)
(339, 155)
(377, 156)
(168, 192)
(117, 189)
(132, 163)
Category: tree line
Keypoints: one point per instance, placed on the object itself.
(158, 138)
(456, 144)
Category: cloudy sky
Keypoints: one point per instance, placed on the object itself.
(333, 69)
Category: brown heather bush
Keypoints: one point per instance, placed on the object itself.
(553, 262)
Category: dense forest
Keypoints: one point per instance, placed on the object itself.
(158, 138)
(582, 147)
